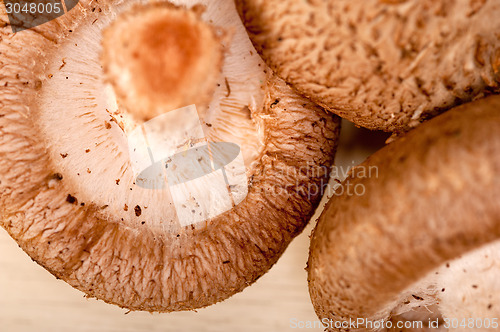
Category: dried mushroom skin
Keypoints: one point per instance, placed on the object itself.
(69, 196)
(385, 65)
(433, 198)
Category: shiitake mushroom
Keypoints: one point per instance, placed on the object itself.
(434, 198)
(68, 193)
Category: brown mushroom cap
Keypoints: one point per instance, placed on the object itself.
(381, 64)
(70, 200)
(433, 196)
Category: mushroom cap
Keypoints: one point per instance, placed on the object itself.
(68, 195)
(432, 196)
(385, 65)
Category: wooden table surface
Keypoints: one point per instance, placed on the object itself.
(32, 300)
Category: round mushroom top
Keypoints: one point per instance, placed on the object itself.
(427, 198)
(381, 64)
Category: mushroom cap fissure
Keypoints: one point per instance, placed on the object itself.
(114, 257)
(435, 197)
(380, 64)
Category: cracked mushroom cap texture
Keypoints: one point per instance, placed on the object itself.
(381, 64)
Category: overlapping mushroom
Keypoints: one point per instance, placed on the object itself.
(422, 242)
(391, 65)
(382, 64)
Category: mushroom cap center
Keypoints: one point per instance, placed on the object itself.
(161, 58)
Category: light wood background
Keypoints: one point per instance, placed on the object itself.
(32, 300)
